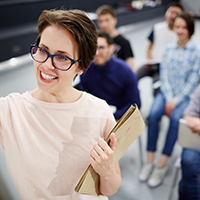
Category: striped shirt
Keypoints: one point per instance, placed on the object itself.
(179, 71)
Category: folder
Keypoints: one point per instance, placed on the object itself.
(127, 129)
(186, 138)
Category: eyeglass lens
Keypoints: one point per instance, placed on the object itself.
(59, 61)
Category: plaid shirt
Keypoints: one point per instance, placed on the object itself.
(179, 71)
(193, 108)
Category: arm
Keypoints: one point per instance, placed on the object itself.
(126, 53)
(130, 63)
(192, 112)
(193, 109)
(150, 45)
(166, 87)
(101, 158)
(191, 82)
(164, 74)
(193, 123)
(148, 52)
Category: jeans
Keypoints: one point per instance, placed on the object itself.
(156, 113)
(189, 186)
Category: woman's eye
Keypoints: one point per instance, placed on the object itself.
(42, 51)
(62, 58)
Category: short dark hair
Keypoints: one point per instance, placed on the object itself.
(175, 4)
(189, 19)
(105, 35)
(81, 27)
(105, 9)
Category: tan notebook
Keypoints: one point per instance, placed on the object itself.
(127, 129)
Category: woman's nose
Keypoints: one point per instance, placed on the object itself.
(48, 64)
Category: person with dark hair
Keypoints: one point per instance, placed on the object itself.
(107, 21)
(51, 134)
(110, 78)
(189, 185)
(161, 35)
(179, 74)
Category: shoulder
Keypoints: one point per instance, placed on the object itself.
(121, 68)
(161, 25)
(192, 46)
(121, 39)
(171, 46)
(94, 101)
(97, 106)
(12, 97)
(120, 64)
(11, 104)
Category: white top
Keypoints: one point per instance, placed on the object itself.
(162, 36)
(47, 145)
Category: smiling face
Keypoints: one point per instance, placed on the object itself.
(56, 40)
(181, 29)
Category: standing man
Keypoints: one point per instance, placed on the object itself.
(161, 35)
(107, 22)
(111, 78)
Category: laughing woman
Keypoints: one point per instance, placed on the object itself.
(179, 77)
(51, 134)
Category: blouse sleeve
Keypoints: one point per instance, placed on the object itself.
(191, 82)
(165, 85)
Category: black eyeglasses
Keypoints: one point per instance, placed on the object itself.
(60, 62)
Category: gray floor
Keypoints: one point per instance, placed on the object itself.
(22, 79)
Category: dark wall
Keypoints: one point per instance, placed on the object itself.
(20, 12)
(18, 24)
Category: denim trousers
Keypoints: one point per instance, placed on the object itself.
(189, 186)
(156, 113)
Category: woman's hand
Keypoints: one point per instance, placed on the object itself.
(102, 155)
(101, 158)
(169, 107)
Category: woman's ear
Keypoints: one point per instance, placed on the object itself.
(79, 71)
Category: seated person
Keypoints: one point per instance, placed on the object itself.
(189, 186)
(107, 21)
(161, 35)
(179, 75)
(110, 78)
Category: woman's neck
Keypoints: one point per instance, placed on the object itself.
(68, 97)
(182, 43)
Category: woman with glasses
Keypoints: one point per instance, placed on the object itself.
(51, 134)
